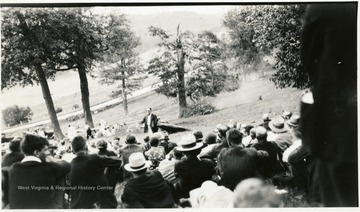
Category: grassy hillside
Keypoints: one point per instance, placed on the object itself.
(242, 105)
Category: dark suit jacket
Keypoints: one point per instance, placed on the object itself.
(153, 123)
(88, 170)
(35, 180)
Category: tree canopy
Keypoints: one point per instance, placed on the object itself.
(275, 29)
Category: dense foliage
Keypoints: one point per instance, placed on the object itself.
(257, 30)
(15, 115)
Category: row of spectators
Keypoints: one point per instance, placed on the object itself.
(235, 165)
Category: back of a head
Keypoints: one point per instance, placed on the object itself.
(177, 154)
(248, 128)
(198, 134)
(130, 139)
(234, 136)
(102, 144)
(14, 145)
(78, 143)
(261, 133)
(30, 143)
(210, 138)
(252, 192)
(222, 129)
(154, 141)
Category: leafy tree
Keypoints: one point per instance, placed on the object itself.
(31, 48)
(170, 64)
(121, 56)
(241, 33)
(209, 71)
(83, 47)
(278, 28)
(15, 115)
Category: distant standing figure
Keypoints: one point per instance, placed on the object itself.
(150, 121)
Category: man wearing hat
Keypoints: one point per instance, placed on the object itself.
(87, 176)
(150, 121)
(125, 152)
(293, 122)
(191, 171)
(283, 137)
(214, 152)
(147, 189)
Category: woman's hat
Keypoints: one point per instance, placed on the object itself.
(278, 125)
(188, 143)
(137, 162)
(294, 121)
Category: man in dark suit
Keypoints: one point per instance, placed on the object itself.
(87, 177)
(31, 183)
(150, 121)
(328, 120)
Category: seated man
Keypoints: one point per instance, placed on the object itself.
(87, 176)
(191, 171)
(30, 183)
(147, 189)
(282, 131)
(237, 162)
(125, 152)
(268, 166)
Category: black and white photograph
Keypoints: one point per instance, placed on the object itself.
(179, 105)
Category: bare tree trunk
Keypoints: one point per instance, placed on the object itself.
(49, 102)
(84, 87)
(181, 75)
(124, 95)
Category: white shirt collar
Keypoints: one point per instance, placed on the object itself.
(31, 158)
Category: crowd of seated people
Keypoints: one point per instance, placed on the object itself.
(157, 173)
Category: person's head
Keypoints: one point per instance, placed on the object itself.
(78, 144)
(261, 133)
(177, 154)
(266, 118)
(163, 136)
(154, 141)
(278, 125)
(130, 139)
(253, 133)
(247, 129)
(252, 192)
(286, 115)
(146, 139)
(234, 137)
(210, 138)
(149, 110)
(14, 144)
(101, 145)
(198, 136)
(35, 146)
(137, 164)
(222, 129)
(188, 146)
(293, 122)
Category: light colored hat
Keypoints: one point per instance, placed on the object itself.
(286, 115)
(210, 195)
(188, 143)
(266, 117)
(137, 162)
(293, 121)
(278, 125)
